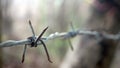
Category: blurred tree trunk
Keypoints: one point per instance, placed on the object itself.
(91, 53)
(0, 34)
(7, 18)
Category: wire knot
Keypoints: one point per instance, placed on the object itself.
(32, 40)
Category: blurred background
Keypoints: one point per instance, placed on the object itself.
(57, 14)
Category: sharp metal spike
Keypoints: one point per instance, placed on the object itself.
(32, 28)
(46, 51)
(70, 44)
(40, 36)
(71, 24)
(23, 57)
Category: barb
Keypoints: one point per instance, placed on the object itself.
(23, 57)
(46, 51)
(71, 24)
(34, 42)
(32, 28)
(40, 36)
(70, 44)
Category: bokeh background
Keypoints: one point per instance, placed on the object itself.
(57, 14)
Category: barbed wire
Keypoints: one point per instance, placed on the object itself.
(65, 35)
(33, 41)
